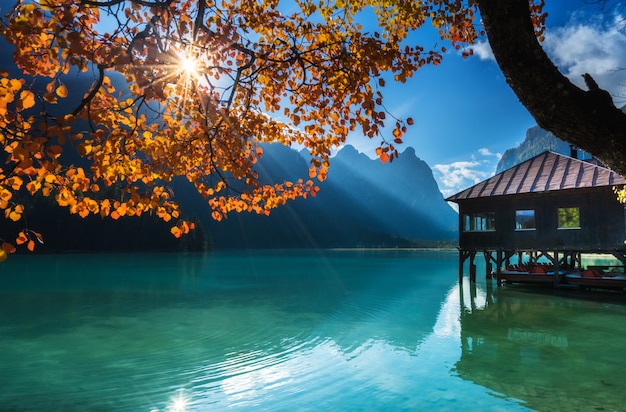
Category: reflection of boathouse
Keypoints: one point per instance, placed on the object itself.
(550, 206)
(549, 352)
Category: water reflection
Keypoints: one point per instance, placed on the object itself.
(553, 351)
(343, 331)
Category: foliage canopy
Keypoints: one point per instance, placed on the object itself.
(112, 99)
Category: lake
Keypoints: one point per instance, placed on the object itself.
(336, 330)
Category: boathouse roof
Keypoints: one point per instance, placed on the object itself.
(547, 171)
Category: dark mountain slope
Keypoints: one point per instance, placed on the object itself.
(363, 203)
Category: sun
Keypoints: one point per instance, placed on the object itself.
(189, 65)
(188, 62)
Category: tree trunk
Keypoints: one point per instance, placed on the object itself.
(587, 119)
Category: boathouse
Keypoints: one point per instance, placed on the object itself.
(551, 206)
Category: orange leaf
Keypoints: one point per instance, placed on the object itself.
(27, 98)
(176, 231)
(21, 238)
(31, 245)
(3, 255)
(8, 248)
(62, 91)
(38, 236)
(15, 182)
(384, 157)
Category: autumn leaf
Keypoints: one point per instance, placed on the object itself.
(21, 238)
(61, 91)
(8, 248)
(176, 231)
(37, 236)
(27, 99)
(210, 126)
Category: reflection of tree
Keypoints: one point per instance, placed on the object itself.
(569, 217)
(543, 350)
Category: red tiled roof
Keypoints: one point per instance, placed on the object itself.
(544, 172)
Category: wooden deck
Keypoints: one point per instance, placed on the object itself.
(526, 277)
(600, 283)
(591, 278)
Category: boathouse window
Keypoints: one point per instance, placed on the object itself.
(525, 220)
(480, 222)
(568, 218)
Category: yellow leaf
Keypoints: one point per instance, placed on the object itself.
(15, 84)
(27, 98)
(176, 231)
(62, 91)
(16, 182)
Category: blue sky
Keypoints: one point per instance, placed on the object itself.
(465, 114)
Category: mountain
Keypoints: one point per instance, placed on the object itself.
(537, 141)
(363, 203)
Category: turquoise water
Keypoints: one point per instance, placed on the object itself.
(298, 331)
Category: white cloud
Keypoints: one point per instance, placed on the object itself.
(590, 47)
(458, 175)
(482, 49)
(486, 152)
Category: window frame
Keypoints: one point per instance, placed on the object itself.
(485, 219)
(558, 217)
(517, 220)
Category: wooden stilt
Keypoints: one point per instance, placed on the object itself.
(557, 277)
(472, 267)
(488, 263)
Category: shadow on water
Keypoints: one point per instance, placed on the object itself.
(554, 350)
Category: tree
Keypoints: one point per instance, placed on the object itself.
(585, 118)
(205, 83)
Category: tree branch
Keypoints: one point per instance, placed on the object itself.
(584, 118)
